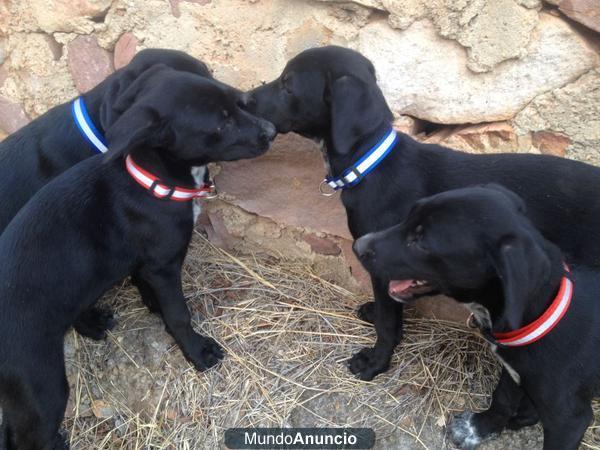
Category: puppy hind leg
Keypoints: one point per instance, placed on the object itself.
(467, 430)
(94, 322)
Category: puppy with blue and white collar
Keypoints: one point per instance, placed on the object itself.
(66, 135)
(542, 319)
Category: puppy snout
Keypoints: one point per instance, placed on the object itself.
(363, 248)
(268, 130)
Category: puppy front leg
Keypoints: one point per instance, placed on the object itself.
(369, 362)
(164, 285)
(468, 429)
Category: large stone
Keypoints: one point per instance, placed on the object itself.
(586, 12)
(88, 62)
(12, 116)
(52, 16)
(283, 185)
(490, 31)
(573, 112)
(427, 77)
(37, 79)
(125, 49)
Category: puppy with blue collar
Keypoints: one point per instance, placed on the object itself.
(542, 318)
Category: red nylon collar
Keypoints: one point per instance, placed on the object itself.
(539, 328)
(153, 184)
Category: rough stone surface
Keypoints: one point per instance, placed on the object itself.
(37, 80)
(573, 111)
(425, 76)
(77, 16)
(551, 143)
(497, 137)
(88, 62)
(491, 31)
(12, 116)
(282, 185)
(586, 12)
(125, 49)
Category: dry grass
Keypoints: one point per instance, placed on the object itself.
(287, 333)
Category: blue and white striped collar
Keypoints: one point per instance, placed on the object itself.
(353, 175)
(86, 126)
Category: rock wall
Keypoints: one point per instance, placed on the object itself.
(477, 75)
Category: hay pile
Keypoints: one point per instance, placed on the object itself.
(287, 334)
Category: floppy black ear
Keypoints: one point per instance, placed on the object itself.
(123, 91)
(522, 266)
(137, 127)
(357, 109)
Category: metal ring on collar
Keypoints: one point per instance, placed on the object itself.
(213, 192)
(326, 194)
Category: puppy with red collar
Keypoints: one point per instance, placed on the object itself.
(542, 319)
(127, 212)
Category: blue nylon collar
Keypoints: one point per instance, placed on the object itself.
(353, 175)
(86, 126)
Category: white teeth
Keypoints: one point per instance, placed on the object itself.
(419, 283)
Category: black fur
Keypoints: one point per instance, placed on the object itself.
(94, 225)
(331, 94)
(478, 246)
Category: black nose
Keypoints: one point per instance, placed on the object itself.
(268, 130)
(363, 249)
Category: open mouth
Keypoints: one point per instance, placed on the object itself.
(404, 290)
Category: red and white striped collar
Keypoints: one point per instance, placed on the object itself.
(163, 191)
(544, 324)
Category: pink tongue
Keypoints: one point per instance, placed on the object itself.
(399, 286)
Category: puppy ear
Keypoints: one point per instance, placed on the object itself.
(522, 266)
(357, 109)
(137, 127)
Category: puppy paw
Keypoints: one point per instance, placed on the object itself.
(462, 432)
(367, 364)
(366, 312)
(94, 323)
(205, 354)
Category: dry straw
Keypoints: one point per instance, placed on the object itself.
(287, 334)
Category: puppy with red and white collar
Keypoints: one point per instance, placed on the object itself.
(542, 319)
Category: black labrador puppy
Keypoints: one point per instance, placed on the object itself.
(331, 94)
(52, 143)
(110, 216)
(543, 320)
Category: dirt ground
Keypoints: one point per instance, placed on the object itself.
(287, 333)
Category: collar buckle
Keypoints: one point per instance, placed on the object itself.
(325, 193)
